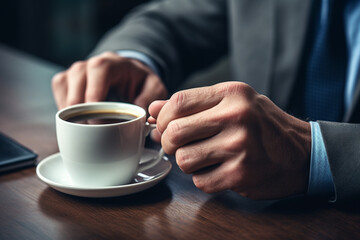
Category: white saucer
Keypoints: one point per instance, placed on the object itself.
(52, 172)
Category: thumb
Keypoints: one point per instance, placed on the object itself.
(155, 108)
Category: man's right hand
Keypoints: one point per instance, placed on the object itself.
(91, 80)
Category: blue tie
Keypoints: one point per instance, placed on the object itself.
(326, 66)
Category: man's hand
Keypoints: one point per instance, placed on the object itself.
(230, 137)
(91, 80)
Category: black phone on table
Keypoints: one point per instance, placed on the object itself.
(14, 155)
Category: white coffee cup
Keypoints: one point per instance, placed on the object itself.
(98, 155)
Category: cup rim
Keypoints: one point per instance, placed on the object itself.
(81, 106)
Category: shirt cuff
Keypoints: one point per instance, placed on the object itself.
(321, 182)
(145, 59)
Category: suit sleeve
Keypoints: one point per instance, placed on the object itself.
(342, 142)
(180, 36)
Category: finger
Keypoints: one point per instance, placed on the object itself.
(155, 135)
(185, 130)
(215, 179)
(130, 76)
(187, 102)
(132, 90)
(140, 77)
(155, 108)
(59, 88)
(76, 83)
(151, 120)
(233, 166)
(98, 74)
(212, 151)
(152, 89)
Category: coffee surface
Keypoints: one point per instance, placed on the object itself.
(100, 117)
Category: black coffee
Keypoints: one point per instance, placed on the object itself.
(100, 117)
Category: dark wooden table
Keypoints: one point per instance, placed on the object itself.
(174, 209)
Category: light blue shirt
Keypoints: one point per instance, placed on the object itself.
(142, 58)
(320, 178)
(352, 21)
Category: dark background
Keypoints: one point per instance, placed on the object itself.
(65, 31)
(61, 31)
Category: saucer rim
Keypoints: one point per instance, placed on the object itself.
(51, 183)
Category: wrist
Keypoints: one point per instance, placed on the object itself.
(300, 137)
(142, 58)
(305, 141)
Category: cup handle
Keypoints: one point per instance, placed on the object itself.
(156, 159)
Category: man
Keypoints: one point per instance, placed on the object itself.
(230, 135)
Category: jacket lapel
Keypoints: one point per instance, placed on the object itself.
(252, 39)
(353, 114)
(292, 19)
(268, 38)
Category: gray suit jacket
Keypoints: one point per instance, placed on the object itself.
(264, 41)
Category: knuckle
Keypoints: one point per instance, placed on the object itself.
(237, 113)
(77, 66)
(178, 99)
(204, 186)
(228, 88)
(58, 79)
(173, 129)
(182, 160)
(240, 89)
(241, 110)
(97, 62)
(244, 110)
(168, 147)
(237, 142)
(199, 183)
